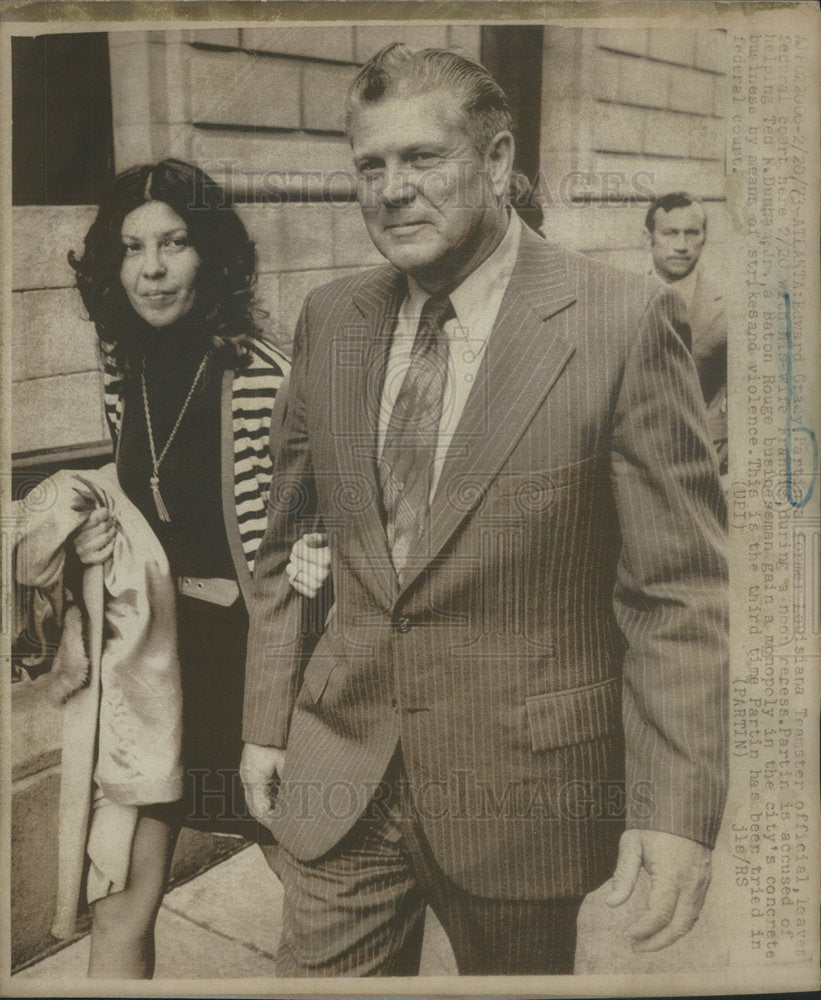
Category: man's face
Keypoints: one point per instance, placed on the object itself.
(428, 201)
(677, 241)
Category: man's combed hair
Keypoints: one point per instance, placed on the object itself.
(667, 202)
(399, 70)
(224, 303)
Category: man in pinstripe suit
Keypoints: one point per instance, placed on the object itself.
(496, 693)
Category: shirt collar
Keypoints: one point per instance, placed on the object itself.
(485, 284)
(685, 286)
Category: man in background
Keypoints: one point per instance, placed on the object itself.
(676, 227)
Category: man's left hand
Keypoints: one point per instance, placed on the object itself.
(679, 871)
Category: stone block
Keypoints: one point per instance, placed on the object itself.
(372, 38)
(703, 178)
(323, 96)
(171, 82)
(351, 243)
(672, 44)
(229, 37)
(691, 90)
(467, 37)
(52, 334)
(646, 83)
(706, 138)
(594, 226)
(235, 88)
(146, 142)
(668, 134)
(633, 40)
(36, 728)
(122, 39)
(33, 863)
(307, 236)
(319, 42)
(42, 235)
(721, 94)
(263, 226)
(133, 68)
(609, 177)
(609, 66)
(618, 128)
(711, 50)
(19, 356)
(290, 237)
(57, 412)
(299, 161)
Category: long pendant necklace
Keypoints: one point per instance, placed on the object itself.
(154, 480)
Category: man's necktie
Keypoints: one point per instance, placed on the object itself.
(406, 463)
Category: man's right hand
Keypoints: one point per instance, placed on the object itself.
(258, 769)
(310, 564)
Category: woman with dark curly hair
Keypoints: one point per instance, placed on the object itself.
(167, 277)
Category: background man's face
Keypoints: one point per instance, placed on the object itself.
(677, 241)
(424, 195)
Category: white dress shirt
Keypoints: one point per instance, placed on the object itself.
(476, 303)
(686, 286)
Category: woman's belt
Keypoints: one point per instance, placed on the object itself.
(214, 589)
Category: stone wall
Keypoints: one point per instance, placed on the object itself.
(626, 115)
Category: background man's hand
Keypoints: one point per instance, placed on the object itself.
(258, 769)
(679, 871)
(309, 564)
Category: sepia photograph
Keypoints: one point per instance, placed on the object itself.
(411, 535)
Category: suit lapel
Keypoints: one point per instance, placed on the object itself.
(525, 355)
(357, 389)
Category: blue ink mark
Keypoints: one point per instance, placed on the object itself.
(800, 501)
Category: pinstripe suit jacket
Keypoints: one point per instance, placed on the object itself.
(562, 627)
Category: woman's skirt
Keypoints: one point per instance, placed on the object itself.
(212, 644)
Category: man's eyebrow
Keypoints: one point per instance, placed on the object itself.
(433, 145)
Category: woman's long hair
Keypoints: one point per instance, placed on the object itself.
(224, 304)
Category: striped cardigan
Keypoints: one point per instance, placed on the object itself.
(248, 396)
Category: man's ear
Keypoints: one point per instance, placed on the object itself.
(498, 161)
(648, 238)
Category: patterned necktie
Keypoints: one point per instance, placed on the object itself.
(406, 463)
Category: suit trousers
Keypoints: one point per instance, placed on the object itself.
(359, 910)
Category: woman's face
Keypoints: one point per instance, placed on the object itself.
(160, 265)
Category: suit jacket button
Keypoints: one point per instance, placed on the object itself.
(403, 625)
(395, 705)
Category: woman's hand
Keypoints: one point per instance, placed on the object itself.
(310, 564)
(94, 542)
